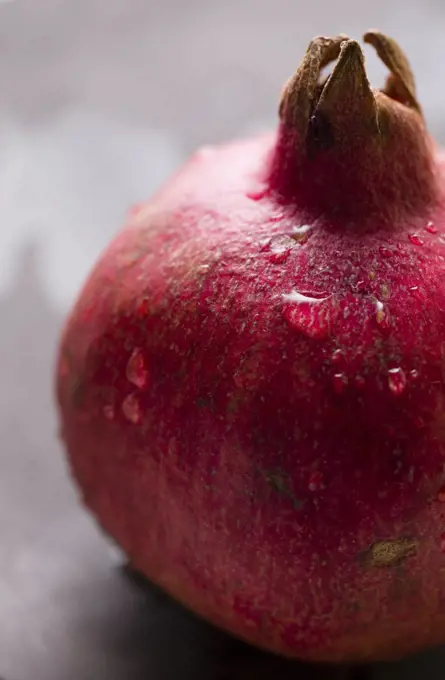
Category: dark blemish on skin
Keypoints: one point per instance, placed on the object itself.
(354, 607)
(249, 493)
(206, 402)
(211, 488)
(389, 553)
(277, 481)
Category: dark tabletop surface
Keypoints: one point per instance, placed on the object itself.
(99, 101)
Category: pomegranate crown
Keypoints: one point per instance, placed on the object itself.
(346, 148)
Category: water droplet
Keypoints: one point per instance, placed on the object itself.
(137, 370)
(301, 233)
(143, 308)
(441, 495)
(396, 380)
(131, 409)
(316, 481)
(431, 228)
(257, 195)
(280, 250)
(337, 357)
(307, 314)
(279, 258)
(414, 374)
(340, 382)
(384, 251)
(415, 239)
(108, 411)
(359, 382)
(295, 296)
(413, 289)
(380, 315)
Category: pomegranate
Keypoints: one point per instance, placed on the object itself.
(251, 384)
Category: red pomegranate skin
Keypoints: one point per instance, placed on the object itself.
(253, 405)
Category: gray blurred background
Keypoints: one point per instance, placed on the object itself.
(99, 101)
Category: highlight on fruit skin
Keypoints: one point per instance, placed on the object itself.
(251, 384)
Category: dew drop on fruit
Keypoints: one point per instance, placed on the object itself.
(431, 228)
(307, 314)
(419, 422)
(137, 370)
(316, 481)
(396, 380)
(143, 308)
(131, 409)
(279, 258)
(108, 411)
(264, 243)
(380, 315)
(337, 357)
(340, 382)
(257, 194)
(418, 293)
(415, 239)
(301, 233)
(359, 382)
(279, 250)
(414, 374)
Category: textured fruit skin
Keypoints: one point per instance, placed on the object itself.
(276, 464)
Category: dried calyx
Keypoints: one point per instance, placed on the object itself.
(347, 150)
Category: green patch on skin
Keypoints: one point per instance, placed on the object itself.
(389, 553)
(205, 402)
(237, 399)
(279, 482)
